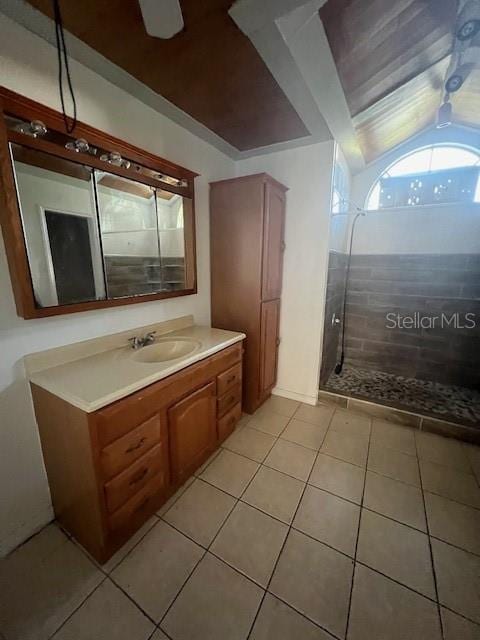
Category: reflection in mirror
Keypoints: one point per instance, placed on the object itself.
(61, 232)
(128, 224)
(171, 232)
(142, 237)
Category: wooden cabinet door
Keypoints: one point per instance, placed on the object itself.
(192, 431)
(269, 344)
(273, 242)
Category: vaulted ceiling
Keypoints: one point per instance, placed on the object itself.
(392, 56)
(210, 70)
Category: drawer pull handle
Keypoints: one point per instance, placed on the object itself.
(139, 476)
(139, 444)
(231, 379)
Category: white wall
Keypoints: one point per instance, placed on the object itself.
(307, 173)
(446, 229)
(28, 65)
(426, 229)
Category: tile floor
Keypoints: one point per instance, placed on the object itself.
(310, 523)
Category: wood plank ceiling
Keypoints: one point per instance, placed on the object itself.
(392, 57)
(210, 70)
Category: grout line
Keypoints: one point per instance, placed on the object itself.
(434, 573)
(358, 530)
(207, 549)
(289, 529)
(78, 607)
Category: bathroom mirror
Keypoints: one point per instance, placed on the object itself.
(86, 226)
(143, 239)
(59, 220)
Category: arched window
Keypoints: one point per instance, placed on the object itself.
(431, 175)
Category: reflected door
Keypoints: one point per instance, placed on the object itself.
(71, 257)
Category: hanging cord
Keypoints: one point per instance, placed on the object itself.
(339, 367)
(62, 57)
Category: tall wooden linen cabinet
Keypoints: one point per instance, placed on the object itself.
(247, 222)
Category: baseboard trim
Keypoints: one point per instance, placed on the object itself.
(293, 395)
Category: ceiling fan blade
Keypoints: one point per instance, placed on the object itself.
(162, 18)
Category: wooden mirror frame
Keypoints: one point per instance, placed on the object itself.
(17, 106)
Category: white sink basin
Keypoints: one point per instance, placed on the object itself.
(165, 349)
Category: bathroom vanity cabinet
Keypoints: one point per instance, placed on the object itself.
(247, 221)
(111, 469)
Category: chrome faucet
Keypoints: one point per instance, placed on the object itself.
(137, 342)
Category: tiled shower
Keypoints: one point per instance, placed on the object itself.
(412, 330)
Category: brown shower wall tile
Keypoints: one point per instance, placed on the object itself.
(427, 285)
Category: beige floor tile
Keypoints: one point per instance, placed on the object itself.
(217, 603)
(351, 423)
(42, 583)
(251, 443)
(384, 610)
(250, 541)
(457, 628)
(106, 615)
(458, 579)
(319, 415)
(283, 406)
(329, 519)
(453, 522)
(268, 421)
(153, 573)
(244, 420)
(304, 433)
(352, 449)
(201, 469)
(200, 512)
(445, 451)
(230, 472)
(473, 454)
(393, 436)
(278, 621)
(339, 477)
(397, 551)
(450, 483)
(394, 464)
(275, 493)
(397, 500)
(159, 635)
(291, 458)
(171, 501)
(315, 580)
(129, 545)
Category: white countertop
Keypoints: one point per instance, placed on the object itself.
(98, 380)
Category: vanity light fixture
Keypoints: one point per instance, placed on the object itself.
(35, 128)
(79, 146)
(173, 181)
(113, 157)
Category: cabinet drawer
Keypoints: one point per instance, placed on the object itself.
(228, 400)
(119, 489)
(141, 503)
(227, 424)
(121, 453)
(229, 379)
